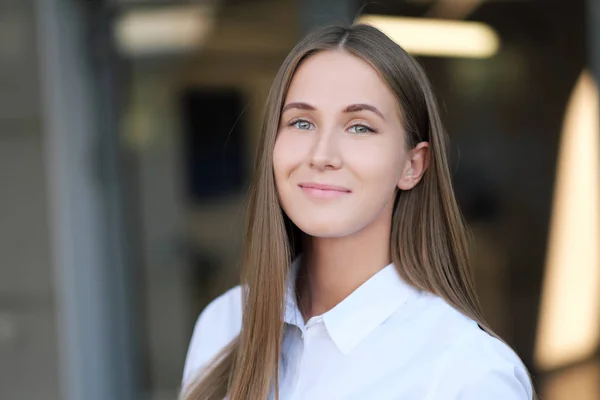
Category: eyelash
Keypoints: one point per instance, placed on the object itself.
(367, 127)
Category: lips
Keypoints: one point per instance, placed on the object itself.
(323, 191)
(319, 186)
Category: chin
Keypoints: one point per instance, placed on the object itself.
(325, 228)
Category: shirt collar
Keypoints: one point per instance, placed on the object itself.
(359, 314)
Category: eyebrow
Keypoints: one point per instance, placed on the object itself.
(362, 107)
(349, 109)
(299, 106)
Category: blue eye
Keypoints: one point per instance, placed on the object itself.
(361, 129)
(302, 125)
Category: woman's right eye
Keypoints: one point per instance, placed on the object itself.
(302, 125)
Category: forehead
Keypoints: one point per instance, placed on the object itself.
(337, 78)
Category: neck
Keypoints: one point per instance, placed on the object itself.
(335, 267)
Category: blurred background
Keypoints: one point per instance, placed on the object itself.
(127, 132)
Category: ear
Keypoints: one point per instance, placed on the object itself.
(416, 165)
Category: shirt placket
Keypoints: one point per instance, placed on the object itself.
(306, 339)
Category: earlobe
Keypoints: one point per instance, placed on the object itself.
(408, 181)
(418, 163)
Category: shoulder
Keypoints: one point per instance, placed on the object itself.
(474, 364)
(217, 325)
(481, 366)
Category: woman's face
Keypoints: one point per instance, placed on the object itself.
(340, 152)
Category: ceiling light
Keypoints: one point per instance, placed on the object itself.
(437, 37)
(163, 30)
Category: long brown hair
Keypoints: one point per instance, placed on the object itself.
(428, 238)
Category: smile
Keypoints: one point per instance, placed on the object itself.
(320, 191)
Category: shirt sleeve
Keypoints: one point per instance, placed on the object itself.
(497, 385)
(216, 327)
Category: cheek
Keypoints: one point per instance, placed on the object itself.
(376, 163)
(287, 158)
(288, 154)
(281, 159)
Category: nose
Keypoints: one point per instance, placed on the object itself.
(325, 153)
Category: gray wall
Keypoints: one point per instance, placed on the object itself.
(63, 306)
(28, 351)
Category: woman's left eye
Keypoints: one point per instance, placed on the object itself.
(361, 129)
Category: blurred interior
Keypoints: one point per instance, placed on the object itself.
(127, 135)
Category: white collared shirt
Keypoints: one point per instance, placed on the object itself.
(386, 340)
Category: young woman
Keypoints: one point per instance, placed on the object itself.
(355, 278)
